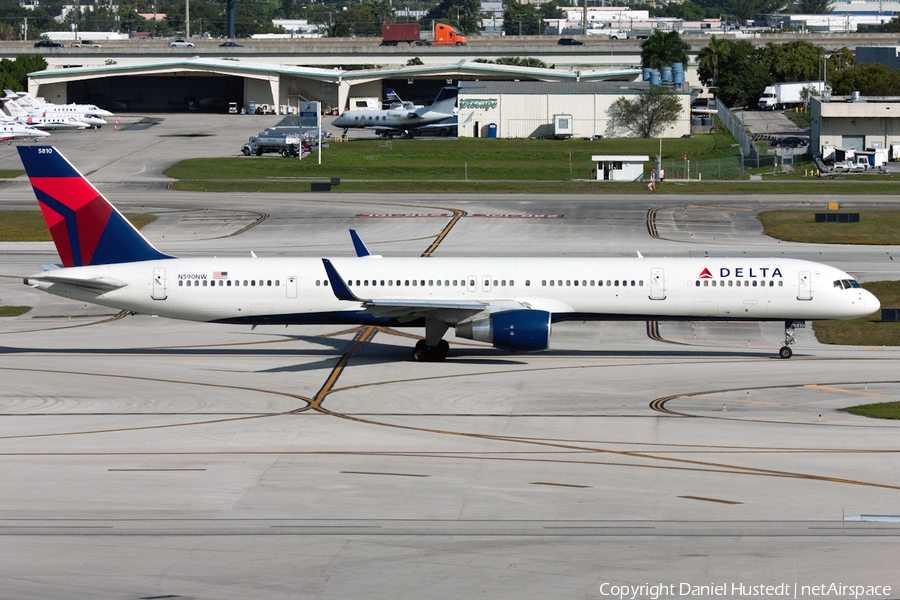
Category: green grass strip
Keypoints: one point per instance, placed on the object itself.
(881, 227)
(472, 158)
(11, 173)
(13, 311)
(883, 410)
(29, 225)
(867, 331)
(541, 187)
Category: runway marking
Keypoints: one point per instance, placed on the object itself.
(116, 317)
(155, 470)
(718, 207)
(457, 215)
(710, 499)
(262, 217)
(148, 427)
(659, 405)
(571, 485)
(651, 223)
(653, 334)
(391, 474)
(834, 389)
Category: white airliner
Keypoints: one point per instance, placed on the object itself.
(510, 303)
(402, 117)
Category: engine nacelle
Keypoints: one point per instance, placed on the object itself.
(522, 330)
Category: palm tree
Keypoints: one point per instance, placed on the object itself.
(709, 59)
(663, 48)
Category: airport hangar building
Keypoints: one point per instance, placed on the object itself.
(212, 83)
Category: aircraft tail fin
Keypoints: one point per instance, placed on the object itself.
(14, 109)
(445, 101)
(86, 228)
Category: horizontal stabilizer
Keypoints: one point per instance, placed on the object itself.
(101, 286)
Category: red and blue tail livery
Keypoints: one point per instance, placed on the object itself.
(86, 228)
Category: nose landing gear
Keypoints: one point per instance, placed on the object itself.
(789, 327)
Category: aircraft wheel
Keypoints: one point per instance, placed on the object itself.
(441, 350)
(420, 354)
(785, 352)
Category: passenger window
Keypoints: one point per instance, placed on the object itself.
(592, 283)
(617, 283)
(325, 282)
(576, 283)
(583, 282)
(422, 282)
(632, 283)
(446, 282)
(511, 283)
(277, 283)
(503, 283)
(552, 283)
(407, 283)
(697, 283)
(472, 283)
(245, 283)
(318, 283)
(780, 284)
(366, 282)
(754, 284)
(414, 282)
(253, 282)
(527, 283)
(560, 282)
(608, 283)
(454, 282)
(269, 283)
(382, 283)
(640, 283)
(260, 283)
(180, 283)
(439, 283)
(390, 282)
(600, 283)
(714, 284)
(204, 283)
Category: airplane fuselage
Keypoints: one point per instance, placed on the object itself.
(297, 291)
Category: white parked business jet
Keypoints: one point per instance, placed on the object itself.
(510, 303)
(401, 118)
(10, 129)
(90, 114)
(40, 122)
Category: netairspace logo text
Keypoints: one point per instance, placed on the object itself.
(736, 590)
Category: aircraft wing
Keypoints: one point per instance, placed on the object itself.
(100, 286)
(414, 307)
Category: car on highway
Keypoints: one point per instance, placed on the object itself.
(85, 44)
(569, 42)
(790, 142)
(230, 45)
(180, 43)
(48, 44)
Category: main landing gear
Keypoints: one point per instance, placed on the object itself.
(433, 348)
(789, 326)
(436, 353)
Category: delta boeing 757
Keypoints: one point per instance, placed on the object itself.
(510, 303)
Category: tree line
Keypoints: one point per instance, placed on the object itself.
(738, 72)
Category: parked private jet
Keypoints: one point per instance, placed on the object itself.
(510, 303)
(10, 129)
(401, 119)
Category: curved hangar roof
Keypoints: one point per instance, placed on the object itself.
(264, 71)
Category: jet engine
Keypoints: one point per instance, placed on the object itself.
(522, 330)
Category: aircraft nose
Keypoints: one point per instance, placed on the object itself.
(871, 304)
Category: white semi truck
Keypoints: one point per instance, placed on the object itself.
(782, 95)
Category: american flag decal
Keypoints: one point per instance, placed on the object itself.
(220, 274)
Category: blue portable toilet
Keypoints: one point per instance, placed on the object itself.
(666, 73)
(645, 74)
(492, 130)
(654, 77)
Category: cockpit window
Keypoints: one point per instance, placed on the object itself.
(846, 284)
